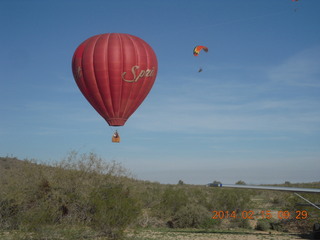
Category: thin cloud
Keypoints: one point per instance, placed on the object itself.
(301, 69)
(261, 115)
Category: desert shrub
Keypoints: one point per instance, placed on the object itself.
(198, 196)
(193, 216)
(210, 223)
(171, 201)
(34, 196)
(245, 223)
(226, 200)
(210, 199)
(23, 195)
(280, 200)
(234, 200)
(149, 195)
(263, 225)
(40, 214)
(112, 209)
(146, 219)
(8, 214)
(277, 226)
(240, 223)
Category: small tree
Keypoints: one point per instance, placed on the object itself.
(240, 182)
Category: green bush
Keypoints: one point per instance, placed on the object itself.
(80, 190)
(234, 200)
(210, 223)
(42, 213)
(192, 216)
(8, 214)
(171, 201)
(244, 223)
(277, 226)
(112, 210)
(263, 225)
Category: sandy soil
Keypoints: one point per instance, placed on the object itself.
(258, 235)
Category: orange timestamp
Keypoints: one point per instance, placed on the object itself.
(264, 214)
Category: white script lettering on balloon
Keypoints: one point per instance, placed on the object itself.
(136, 76)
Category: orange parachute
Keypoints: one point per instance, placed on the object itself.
(197, 50)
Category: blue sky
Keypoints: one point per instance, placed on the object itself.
(253, 114)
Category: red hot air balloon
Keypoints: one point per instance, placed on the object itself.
(115, 72)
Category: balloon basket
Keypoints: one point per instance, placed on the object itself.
(116, 137)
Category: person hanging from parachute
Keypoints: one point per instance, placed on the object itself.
(197, 50)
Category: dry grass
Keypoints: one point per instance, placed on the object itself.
(67, 200)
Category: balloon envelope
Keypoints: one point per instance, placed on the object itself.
(115, 72)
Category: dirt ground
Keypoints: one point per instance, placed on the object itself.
(252, 235)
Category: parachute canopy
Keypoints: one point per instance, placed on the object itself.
(197, 50)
